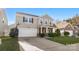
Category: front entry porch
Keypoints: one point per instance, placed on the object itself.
(45, 30)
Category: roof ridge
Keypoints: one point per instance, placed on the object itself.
(27, 14)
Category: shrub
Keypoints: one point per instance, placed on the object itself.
(41, 34)
(13, 32)
(66, 33)
(57, 32)
(52, 34)
(78, 34)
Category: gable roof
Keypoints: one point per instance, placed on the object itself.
(26, 14)
(63, 25)
(46, 16)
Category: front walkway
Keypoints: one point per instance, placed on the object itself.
(42, 44)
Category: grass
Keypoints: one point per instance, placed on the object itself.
(65, 40)
(9, 44)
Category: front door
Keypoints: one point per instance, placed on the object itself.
(43, 30)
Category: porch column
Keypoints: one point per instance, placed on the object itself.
(52, 30)
(41, 30)
(46, 29)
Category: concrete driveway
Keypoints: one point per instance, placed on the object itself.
(42, 44)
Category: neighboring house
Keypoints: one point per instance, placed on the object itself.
(74, 20)
(65, 27)
(3, 23)
(76, 30)
(30, 25)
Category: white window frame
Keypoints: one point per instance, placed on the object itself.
(45, 22)
(25, 20)
(29, 20)
(41, 20)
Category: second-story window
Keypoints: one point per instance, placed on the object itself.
(45, 22)
(25, 19)
(30, 20)
(41, 22)
(50, 23)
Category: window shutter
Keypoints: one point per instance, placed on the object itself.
(32, 20)
(50, 23)
(23, 19)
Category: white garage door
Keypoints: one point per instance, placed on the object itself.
(27, 32)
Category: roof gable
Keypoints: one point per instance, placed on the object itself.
(68, 27)
(63, 25)
(46, 17)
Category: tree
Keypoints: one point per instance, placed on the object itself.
(14, 32)
(58, 32)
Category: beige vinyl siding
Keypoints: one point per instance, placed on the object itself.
(19, 19)
(3, 23)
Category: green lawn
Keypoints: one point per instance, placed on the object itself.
(65, 40)
(9, 44)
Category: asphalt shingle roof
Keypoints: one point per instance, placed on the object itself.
(27, 14)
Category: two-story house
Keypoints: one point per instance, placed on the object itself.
(30, 25)
(45, 24)
(3, 23)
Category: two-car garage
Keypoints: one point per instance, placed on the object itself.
(27, 32)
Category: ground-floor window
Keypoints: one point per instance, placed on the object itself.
(50, 30)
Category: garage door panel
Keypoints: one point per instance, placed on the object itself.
(27, 32)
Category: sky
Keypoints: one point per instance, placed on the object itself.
(57, 14)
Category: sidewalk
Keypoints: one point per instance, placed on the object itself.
(24, 46)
